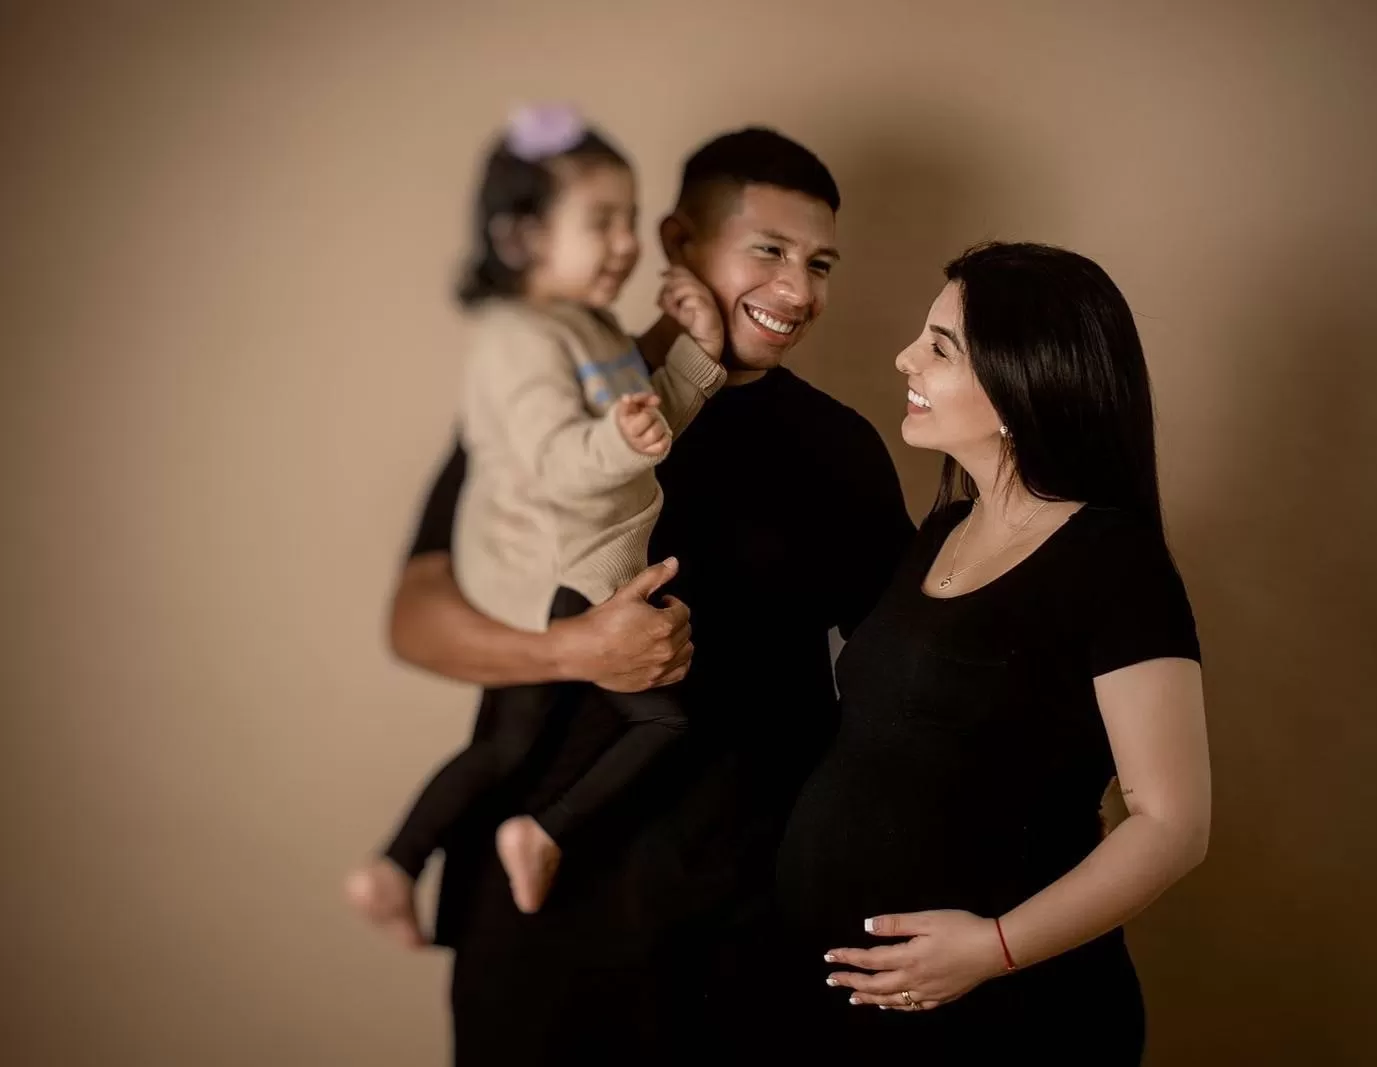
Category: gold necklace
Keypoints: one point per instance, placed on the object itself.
(953, 573)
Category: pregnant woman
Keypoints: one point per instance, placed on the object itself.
(947, 893)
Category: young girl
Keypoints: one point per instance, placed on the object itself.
(563, 425)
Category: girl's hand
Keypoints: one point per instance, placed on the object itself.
(642, 425)
(945, 956)
(688, 302)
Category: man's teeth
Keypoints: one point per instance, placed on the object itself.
(770, 322)
(918, 399)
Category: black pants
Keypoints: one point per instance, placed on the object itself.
(520, 715)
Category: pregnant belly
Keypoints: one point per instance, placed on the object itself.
(879, 831)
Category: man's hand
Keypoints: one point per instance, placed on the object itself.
(625, 644)
(688, 302)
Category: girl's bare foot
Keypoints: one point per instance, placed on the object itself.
(385, 895)
(530, 857)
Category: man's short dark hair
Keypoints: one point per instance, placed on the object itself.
(755, 156)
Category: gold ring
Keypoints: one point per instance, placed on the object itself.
(908, 997)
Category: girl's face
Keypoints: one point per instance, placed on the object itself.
(586, 247)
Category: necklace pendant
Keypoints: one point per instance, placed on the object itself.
(944, 583)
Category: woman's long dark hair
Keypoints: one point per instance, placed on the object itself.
(1053, 344)
(519, 190)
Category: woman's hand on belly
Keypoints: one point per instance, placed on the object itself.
(944, 955)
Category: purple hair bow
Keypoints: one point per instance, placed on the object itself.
(544, 130)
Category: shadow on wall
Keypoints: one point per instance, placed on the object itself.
(902, 217)
(1261, 956)
(909, 204)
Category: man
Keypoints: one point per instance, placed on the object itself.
(785, 515)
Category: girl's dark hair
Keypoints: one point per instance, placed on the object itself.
(1053, 344)
(520, 190)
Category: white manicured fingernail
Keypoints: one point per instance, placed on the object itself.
(870, 926)
(855, 1000)
(829, 958)
(884, 1007)
(833, 981)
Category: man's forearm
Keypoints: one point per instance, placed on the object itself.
(436, 629)
(624, 644)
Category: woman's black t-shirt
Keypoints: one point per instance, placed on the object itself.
(971, 757)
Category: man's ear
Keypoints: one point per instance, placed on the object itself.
(676, 234)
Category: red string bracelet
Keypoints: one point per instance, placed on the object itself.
(1009, 964)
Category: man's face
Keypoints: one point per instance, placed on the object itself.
(766, 257)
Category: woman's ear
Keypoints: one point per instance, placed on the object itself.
(675, 237)
(513, 239)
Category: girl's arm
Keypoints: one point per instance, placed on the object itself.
(691, 369)
(523, 374)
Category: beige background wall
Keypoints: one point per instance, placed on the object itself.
(225, 240)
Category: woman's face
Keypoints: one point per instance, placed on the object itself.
(948, 411)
